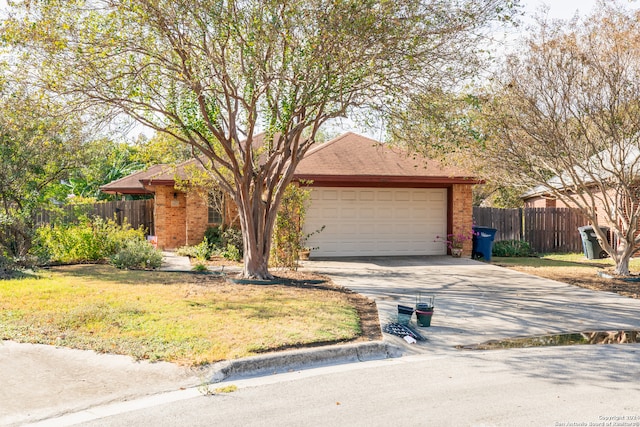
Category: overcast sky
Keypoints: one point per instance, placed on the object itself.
(565, 9)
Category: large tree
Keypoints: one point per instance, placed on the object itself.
(564, 118)
(38, 148)
(215, 73)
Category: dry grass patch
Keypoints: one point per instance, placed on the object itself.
(184, 318)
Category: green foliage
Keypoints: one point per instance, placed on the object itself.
(214, 236)
(200, 268)
(232, 244)
(161, 148)
(137, 254)
(38, 148)
(227, 243)
(512, 248)
(201, 251)
(233, 236)
(231, 252)
(6, 266)
(287, 239)
(87, 241)
(108, 161)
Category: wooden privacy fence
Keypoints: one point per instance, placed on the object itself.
(136, 212)
(545, 229)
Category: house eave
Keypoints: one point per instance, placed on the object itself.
(131, 191)
(383, 180)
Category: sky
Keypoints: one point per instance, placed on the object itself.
(559, 9)
(565, 9)
(562, 9)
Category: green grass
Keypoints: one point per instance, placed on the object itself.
(562, 260)
(188, 319)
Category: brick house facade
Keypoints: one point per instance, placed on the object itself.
(349, 161)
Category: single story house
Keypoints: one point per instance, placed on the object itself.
(368, 198)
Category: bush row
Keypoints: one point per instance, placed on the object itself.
(512, 248)
(95, 240)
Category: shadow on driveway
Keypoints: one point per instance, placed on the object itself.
(475, 301)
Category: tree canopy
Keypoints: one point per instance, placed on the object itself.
(563, 119)
(38, 148)
(214, 74)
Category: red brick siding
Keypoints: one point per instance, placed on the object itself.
(541, 202)
(170, 216)
(197, 217)
(462, 212)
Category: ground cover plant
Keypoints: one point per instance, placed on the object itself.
(184, 318)
(575, 269)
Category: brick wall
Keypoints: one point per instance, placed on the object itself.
(462, 212)
(541, 202)
(197, 217)
(170, 215)
(182, 220)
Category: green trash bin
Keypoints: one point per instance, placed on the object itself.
(590, 245)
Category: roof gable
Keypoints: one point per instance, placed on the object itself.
(353, 155)
(349, 158)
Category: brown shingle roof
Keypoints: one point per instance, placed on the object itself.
(131, 184)
(355, 157)
(347, 159)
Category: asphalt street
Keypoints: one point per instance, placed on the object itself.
(579, 385)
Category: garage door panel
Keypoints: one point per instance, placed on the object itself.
(365, 221)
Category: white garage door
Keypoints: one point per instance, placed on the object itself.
(376, 221)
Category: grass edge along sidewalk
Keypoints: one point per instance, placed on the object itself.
(181, 318)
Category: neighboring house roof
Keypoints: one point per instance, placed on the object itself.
(347, 159)
(599, 167)
(352, 157)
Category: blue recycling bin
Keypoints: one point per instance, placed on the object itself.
(483, 242)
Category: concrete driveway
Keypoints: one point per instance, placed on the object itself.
(476, 301)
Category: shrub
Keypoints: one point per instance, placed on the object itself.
(512, 248)
(200, 268)
(137, 254)
(201, 251)
(6, 266)
(214, 236)
(287, 239)
(233, 236)
(232, 252)
(89, 240)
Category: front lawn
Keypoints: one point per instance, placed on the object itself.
(574, 269)
(184, 318)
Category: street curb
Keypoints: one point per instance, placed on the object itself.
(302, 359)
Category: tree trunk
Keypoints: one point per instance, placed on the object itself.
(622, 266)
(256, 219)
(622, 257)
